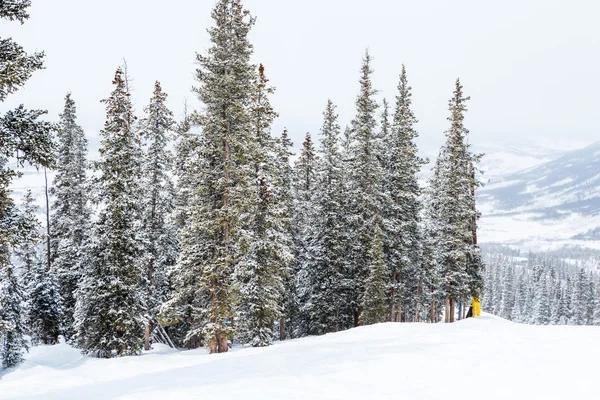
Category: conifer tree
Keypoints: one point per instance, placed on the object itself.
(22, 135)
(261, 273)
(303, 188)
(402, 209)
(458, 257)
(159, 233)
(286, 174)
(541, 308)
(109, 303)
(27, 253)
(13, 318)
(329, 285)
(214, 240)
(44, 311)
(365, 184)
(70, 213)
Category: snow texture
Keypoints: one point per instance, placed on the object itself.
(485, 357)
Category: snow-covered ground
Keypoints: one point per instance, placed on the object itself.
(484, 358)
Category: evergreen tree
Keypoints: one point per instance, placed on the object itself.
(303, 188)
(286, 175)
(507, 302)
(44, 312)
(401, 214)
(213, 241)
(12, 317)
(109, 303)
(27, 253)
(159, 233)
(541, 308)
(22, 135)
(70, 213)
(365, 184)
(329, 286)
(458, 257)
(261, 273)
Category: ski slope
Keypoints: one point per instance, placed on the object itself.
(485, 358)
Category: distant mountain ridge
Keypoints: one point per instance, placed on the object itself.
(560, 199)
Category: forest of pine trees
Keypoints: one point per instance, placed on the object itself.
(542, 288)
(201, 232)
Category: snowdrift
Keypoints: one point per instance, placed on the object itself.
(483, 358)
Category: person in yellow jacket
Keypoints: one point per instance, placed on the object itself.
(476, 306)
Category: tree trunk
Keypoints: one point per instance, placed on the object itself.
(147, 337)
(223, 345)
(212, 346)
(447, 310)
(47, 222)
(282, 328)
(452, 306)
(392, 301)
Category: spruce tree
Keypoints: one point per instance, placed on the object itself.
(457, 257)
(214, 240)
(12, 316)
(22, 135)
(329, 287)
(109, 303)
(303, 189)
(365, 184)
(286, 174)
(159, 233)
(402, 210)
(44, 305)
(70, 213)
(261, 273)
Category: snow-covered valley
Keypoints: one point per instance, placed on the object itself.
(485, 357)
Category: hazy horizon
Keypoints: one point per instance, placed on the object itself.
(527, 67)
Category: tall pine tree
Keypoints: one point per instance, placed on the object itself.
(159, 233)
(70, 213)
(402, 208)
(109, 304)
(214, 240)
(365, 185)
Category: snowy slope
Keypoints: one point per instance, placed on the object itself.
(486, 358)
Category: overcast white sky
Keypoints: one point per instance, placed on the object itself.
(532, 67)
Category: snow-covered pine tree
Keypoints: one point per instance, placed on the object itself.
(329, 287)
(12, 316)
(214, 240)
(541, 306)
(14, 286)
(22, 135)
(70, 213)
(402, 208)
(507, 302)
(286, 174)
(365, 185)
(29, 140)
(261, 273)
(44, 305)
(38, 284)
(458, 257)
(303, 189)
(374, 308)
(27, 253)
(159, 233)
(110, 305)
